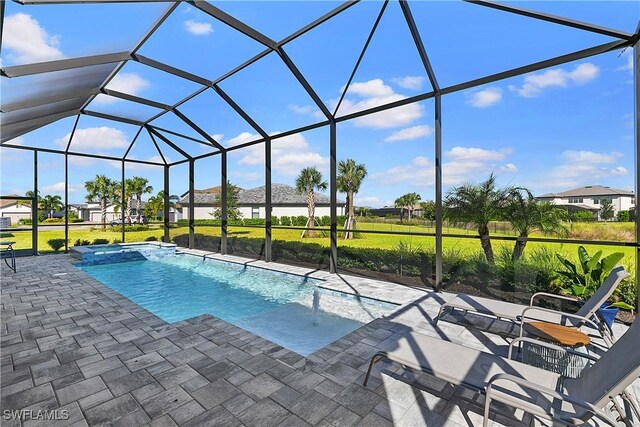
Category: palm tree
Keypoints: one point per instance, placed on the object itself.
(309, 180)
(527, 215)
(29, 194)
(138, 187)
(103, 190)
(477, 204)
(155, 204)
(128, 196)
(400, 203)
(408, 201)
(51, 204)
(350, 177)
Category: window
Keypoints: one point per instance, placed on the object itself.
(255, 212)
(598, 201)
(575, 200)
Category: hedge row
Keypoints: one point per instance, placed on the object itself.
(285, 221)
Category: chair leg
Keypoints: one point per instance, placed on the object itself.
(375, 359)
(632, 402)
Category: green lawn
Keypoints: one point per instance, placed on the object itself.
(383, 241)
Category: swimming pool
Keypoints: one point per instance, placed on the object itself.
(276, 306)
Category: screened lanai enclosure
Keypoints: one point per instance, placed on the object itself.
(222, 95)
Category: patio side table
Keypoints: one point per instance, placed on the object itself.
(567, 365)
(8, 254)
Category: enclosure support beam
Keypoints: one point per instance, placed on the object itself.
(165, 195)
(191, 202)
(223, 204)
(333, 199)
(438, 178)
(267, 200)
(123, 201)
(636, 135)
(34, 205)
(66, 203)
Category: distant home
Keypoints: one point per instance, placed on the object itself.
(91, 211)
(11, 209)
(285, 201)
(590, 197)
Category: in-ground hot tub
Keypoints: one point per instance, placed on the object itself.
(121, 252)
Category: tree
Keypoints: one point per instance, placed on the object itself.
(623, 216)
(527, 215)
(139, 186)
(428, 210)
(129, 187)
(477, 204)
(155, 205)
(233, 213)
(408, 201)
(350, 177)
(309, 180)
(104, 191)
(51, 204)
(606, 209)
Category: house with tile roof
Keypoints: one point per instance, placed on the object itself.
(590, 197)
(285, 201)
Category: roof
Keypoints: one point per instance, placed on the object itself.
(589, 191)
(281, 194)
(8, 202)
(578, 206)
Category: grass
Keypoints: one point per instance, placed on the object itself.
(466, 247)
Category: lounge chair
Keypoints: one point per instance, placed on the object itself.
(520, 313)
(536, 391)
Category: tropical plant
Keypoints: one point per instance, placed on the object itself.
(349, 180)
(138, 186)
(584, 279)
(477, 205)
(527, 215)
(51, 204)
(154, 206)
(233, 213)
(29, 194)
(606, 209)
(56, 244)
(309, 180)
(428, 210)
(104, 191)
(409, 202)
(623, 216)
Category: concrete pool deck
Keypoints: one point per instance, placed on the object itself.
(71, 343)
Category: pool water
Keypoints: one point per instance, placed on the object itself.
(276, 306)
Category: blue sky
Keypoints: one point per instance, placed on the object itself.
(550, 130)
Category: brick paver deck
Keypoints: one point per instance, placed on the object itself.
(71, 343)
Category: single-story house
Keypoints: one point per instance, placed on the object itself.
(91, 211)
(13, 210)
(285, 201)
(590, 198)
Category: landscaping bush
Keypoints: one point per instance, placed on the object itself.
(24, 221)
(56, 244)
(275, 220)
(623, 216)
(253, 221)
(100, 242)
(81, 242)
(299, 221)
(127, 228)
(582, 216)
(151, 239)
(53, 220)
(285, 221)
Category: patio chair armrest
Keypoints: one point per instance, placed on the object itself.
(543, 390)
(549, 345)
(548, 295)
(524, 317)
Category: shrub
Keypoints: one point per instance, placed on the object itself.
(624, 216)
(299, 221)
(56, 244)
(211, 222)
(100, 242)
(285, 221)
(53, 220)
(253, 221)
(275, 220)
(24, 221)
(582, 216)
(81, 242)
(128, 228)
(151, 239)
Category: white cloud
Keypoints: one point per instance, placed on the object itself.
(476, 154)
(372, 201)
(302, 109)
(534, 84)
(198, 28)
(58, 187)
(241, 139)
(484, 98)
(16, 141)
(245, 176)
(583, 168)
(289, 154)
(374, 93)
(28, 41)
(129, 83)
(627, 56)
(409, 82)
(141, 166)
(410, 133)
(463, 163)
(101, 138)
(217, 137)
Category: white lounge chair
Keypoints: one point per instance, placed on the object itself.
(536, 391)
(585, 316)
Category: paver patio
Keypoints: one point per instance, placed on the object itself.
(69, 342)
